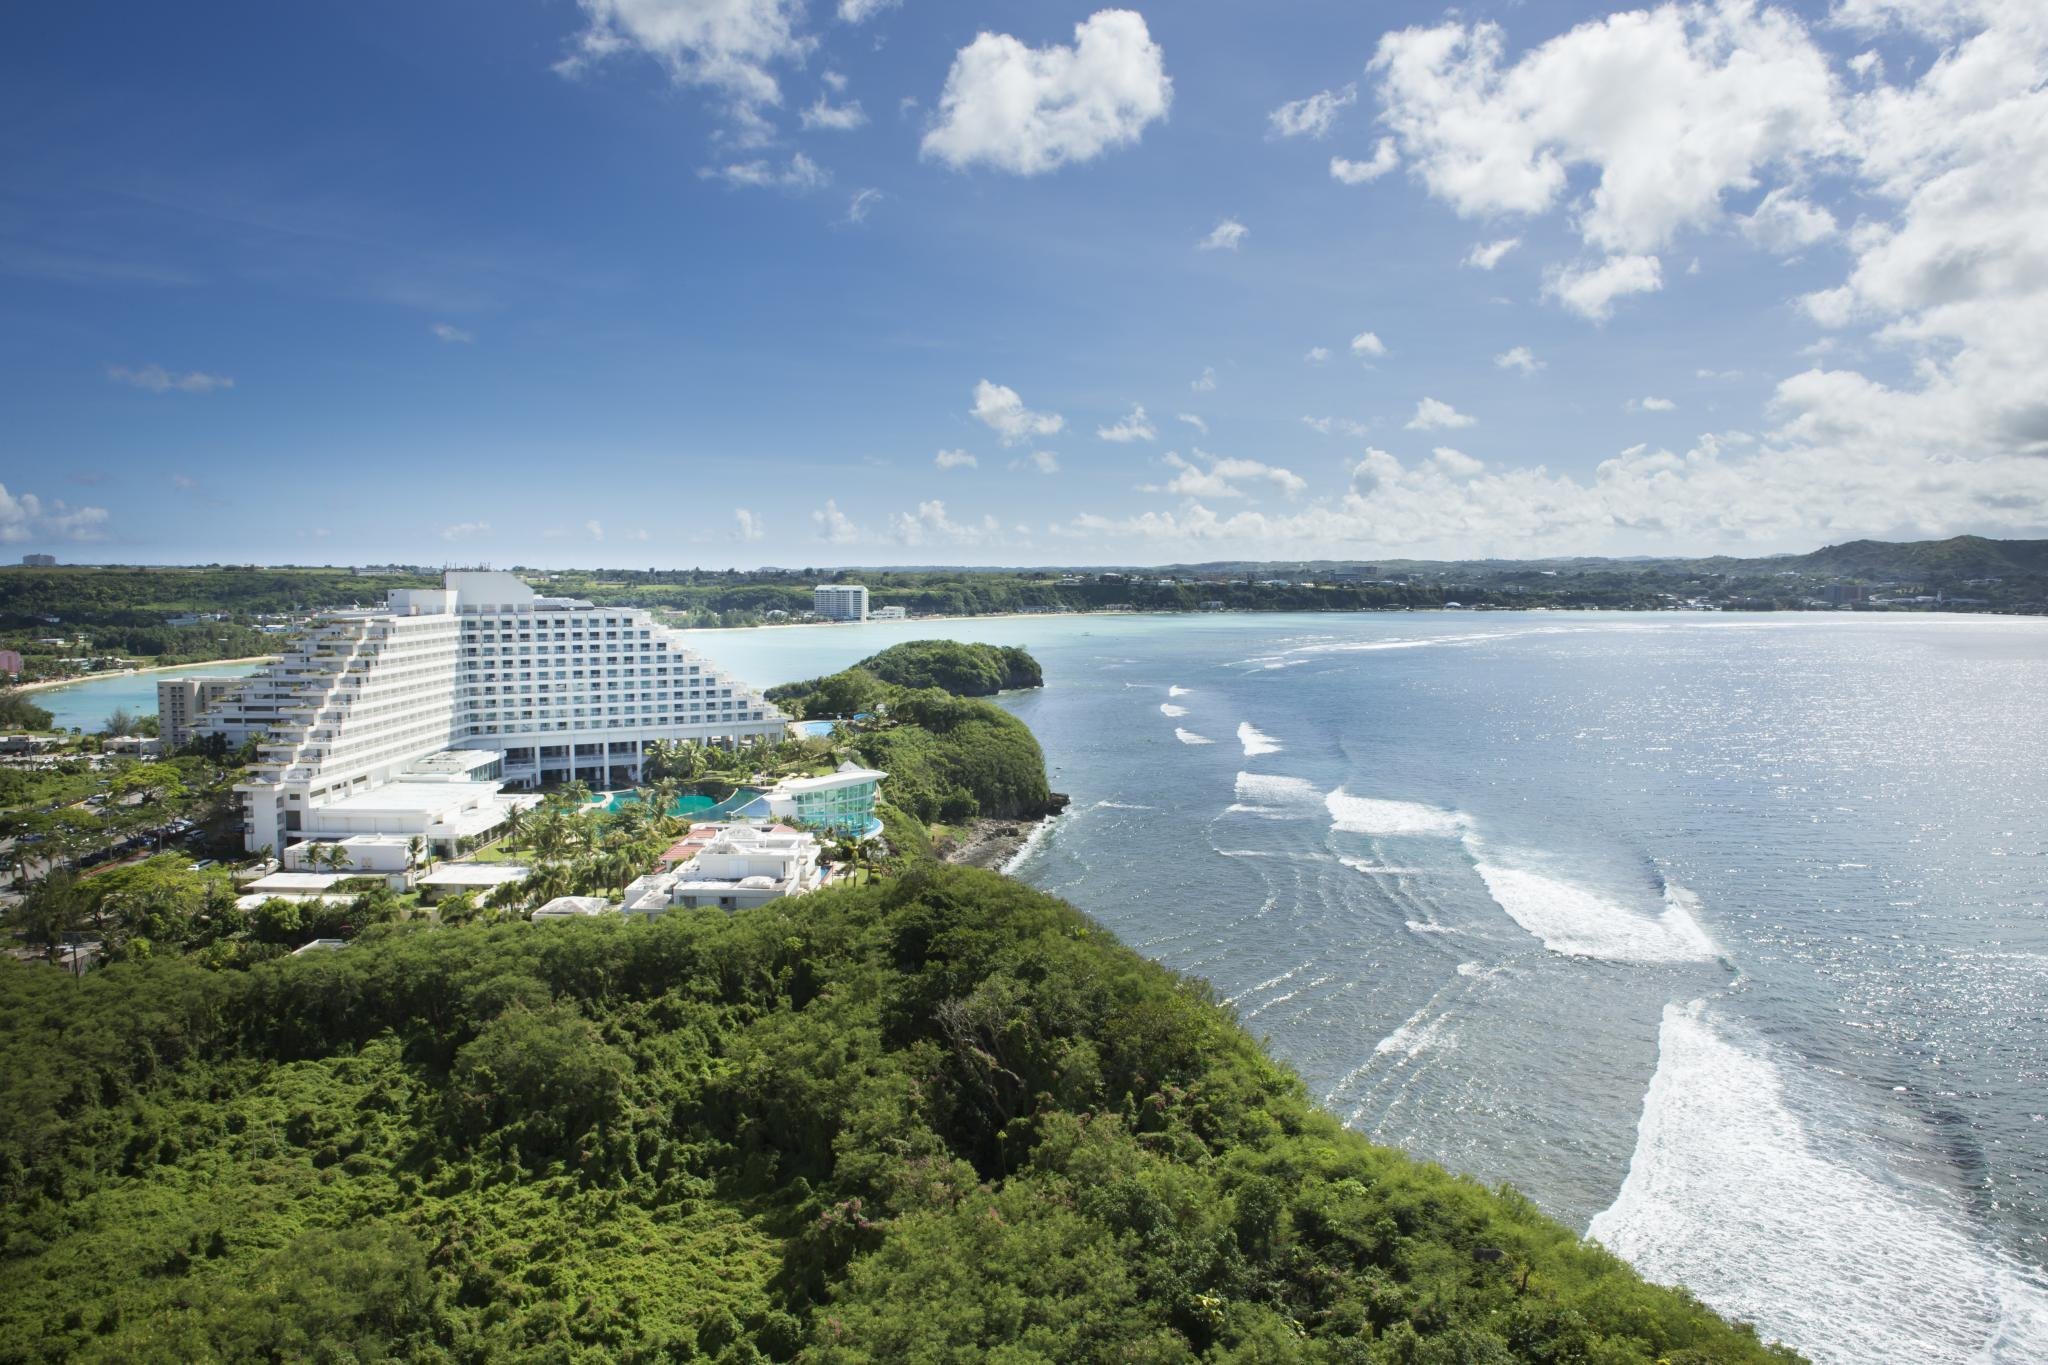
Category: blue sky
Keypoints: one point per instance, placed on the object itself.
(749, 282)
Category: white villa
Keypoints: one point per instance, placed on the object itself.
(739, 868)
(842, 801)
(424, 717)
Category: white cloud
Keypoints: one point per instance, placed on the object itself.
(1323, 426)
(834, 118)
(1456, 462)
(1192, 420)
(1518, 358)
(1487, 255)
(1031, 110)
(1313, 116)
(24, 516)
(747, 526)
(930, 525)
(860, 11)
(1367, 343)
(594, 529)
(1225, 236)
(1432, 414)
(1651, 405)
(1221, 477)
(799, 174)
(465, 530)
(1785, 223)
(723, 45)
(954, 459)
(1590, 291)
(863, 201)
(1385, 157)
(157, 379)
(1671, 107)
(1040, 461)
(1717, 374)
(834, 526)
(1000, 408)
(1317, 355)
(1134, 427)
(1204, 382)
(452, 334)
(638, 533)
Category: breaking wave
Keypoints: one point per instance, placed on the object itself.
(1190, 737)
(1274, 797)
(1733, 1195)
(1167, 708)
(1256, 742)
(1366, 815)
(1176, 691)
(1577, 921)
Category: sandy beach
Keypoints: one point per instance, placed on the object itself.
(44, 684)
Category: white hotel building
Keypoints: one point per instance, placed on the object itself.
(421, 719)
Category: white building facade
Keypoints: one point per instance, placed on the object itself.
(420, 717)
(181, 703)
(840, 601)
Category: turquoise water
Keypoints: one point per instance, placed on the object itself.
(86, 705)
(814, 729)
(690, 803)
(1722, 936)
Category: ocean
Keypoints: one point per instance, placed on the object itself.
(1722, 937)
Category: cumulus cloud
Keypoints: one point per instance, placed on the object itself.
(1204, 382)
(1002, 410)
(1651, 405)
(1225, 236)
(157, 379)
(465, 530)
(1317, 355)
(860, 11)
(1031, 110)
(1670, 108)
(727, 46)
(747, 526)
(798, 174)
(1038, 461)
(1456, 463)
(24, 516)
(1367, 344)
(834, 526)
(1518, 358)
(1221, 478)
(1785, 223)
(1323, 426)
(1192, 420)
(1134, 427)
(594, 529)
(930, 525)
(954, 459)
(452, 334)
(1385, 157)
(1433, 414)
(1590, 291)
(1487, 255)
(824, 116)
(1313, 116)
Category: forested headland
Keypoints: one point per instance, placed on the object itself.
(933, 1117)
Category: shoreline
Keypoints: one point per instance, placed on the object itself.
(994, 844)
(51, 684)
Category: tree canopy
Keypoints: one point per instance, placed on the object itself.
(935, 1117)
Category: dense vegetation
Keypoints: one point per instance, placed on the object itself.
(18, 711)
(950, 756)
(965, 670)
(940, 1117)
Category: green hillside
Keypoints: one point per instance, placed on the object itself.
(938, 1118)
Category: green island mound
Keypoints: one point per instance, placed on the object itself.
(938, 1116)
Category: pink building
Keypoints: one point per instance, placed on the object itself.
(10, 662)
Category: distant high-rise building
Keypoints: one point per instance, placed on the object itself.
(39, 561)
(182, 702)
(840, 601)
